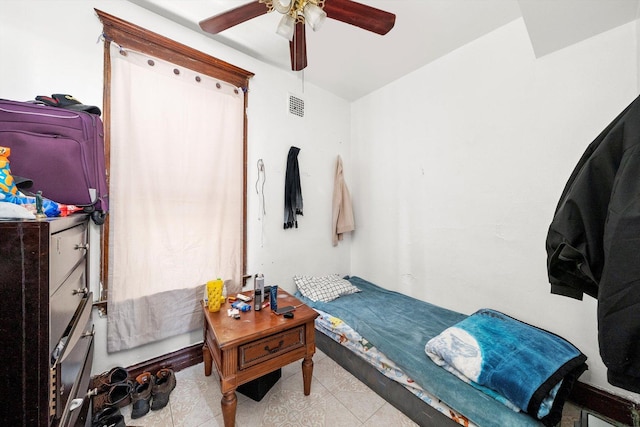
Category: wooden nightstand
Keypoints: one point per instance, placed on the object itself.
(258, 343)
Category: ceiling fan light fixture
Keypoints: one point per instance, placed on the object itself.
(282, 6)
(314, 15)
(286, 27)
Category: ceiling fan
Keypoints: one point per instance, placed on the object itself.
(296, 13)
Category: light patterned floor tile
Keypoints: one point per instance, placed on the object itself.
(338, 415)
(291, 408)
(335, 378)
(292, 369)
(196, 398)
(318, 356)
(337, 399)
(362, 403)
(388, 415)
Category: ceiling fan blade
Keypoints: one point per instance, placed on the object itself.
(298, 48)
(228, 19)
(362, 16)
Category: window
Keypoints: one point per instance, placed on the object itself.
(117, 248)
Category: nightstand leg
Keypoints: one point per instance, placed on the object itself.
(229, 402)
(207, 359)
(307, 374)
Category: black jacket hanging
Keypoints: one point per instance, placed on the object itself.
(593, 244)
(292, 190)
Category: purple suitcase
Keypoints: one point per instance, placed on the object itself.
(61, 150)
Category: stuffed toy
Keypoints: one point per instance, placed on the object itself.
(9, 191)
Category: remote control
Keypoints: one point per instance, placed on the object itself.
(286, 309)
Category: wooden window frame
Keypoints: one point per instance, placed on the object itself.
(130, 36)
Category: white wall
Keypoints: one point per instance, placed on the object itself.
(51, 47)
(458, 168)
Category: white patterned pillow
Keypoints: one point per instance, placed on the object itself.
(325, 288)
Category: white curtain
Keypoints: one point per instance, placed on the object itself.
(176, 196)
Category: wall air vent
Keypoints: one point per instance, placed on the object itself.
(296, 105)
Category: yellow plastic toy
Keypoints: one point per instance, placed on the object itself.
(214, 294)
(7, 184)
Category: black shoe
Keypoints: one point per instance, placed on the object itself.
(114, 421)
(118, 396)
(141, 395)
(108, 417)
(163, 385)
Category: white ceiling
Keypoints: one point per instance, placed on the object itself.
(351, 62)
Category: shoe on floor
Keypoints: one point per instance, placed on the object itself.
(100, 416)
(108, 417)
(163, 385)
(118, 396)
(113, 421)
(141, 395)
(106, 380)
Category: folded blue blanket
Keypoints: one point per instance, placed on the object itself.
(520, 365)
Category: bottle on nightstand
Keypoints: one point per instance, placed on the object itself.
(258, 291)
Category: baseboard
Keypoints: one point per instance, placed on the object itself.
(604, 403)
(177, 360)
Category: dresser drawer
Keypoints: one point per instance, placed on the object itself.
(79, 401)
(69, 368)
(270, 347)
(67, 248)
(64, 303)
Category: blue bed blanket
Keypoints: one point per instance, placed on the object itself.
(520, 365)
(400, 326)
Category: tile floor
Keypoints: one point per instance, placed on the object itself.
(337, 399)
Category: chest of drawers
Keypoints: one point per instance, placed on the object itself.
(45, 321)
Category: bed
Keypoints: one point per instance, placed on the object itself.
(393, 333)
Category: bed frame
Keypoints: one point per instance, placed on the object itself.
(405, 401)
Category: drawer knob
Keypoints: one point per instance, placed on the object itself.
(82, 291)
(275, 349)
(75, 404)
(84, 246)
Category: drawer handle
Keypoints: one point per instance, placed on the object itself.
(82, 291)
(275, 349)
(75, 404)
(83, 246)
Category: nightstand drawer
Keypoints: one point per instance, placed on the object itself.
(270, 347)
